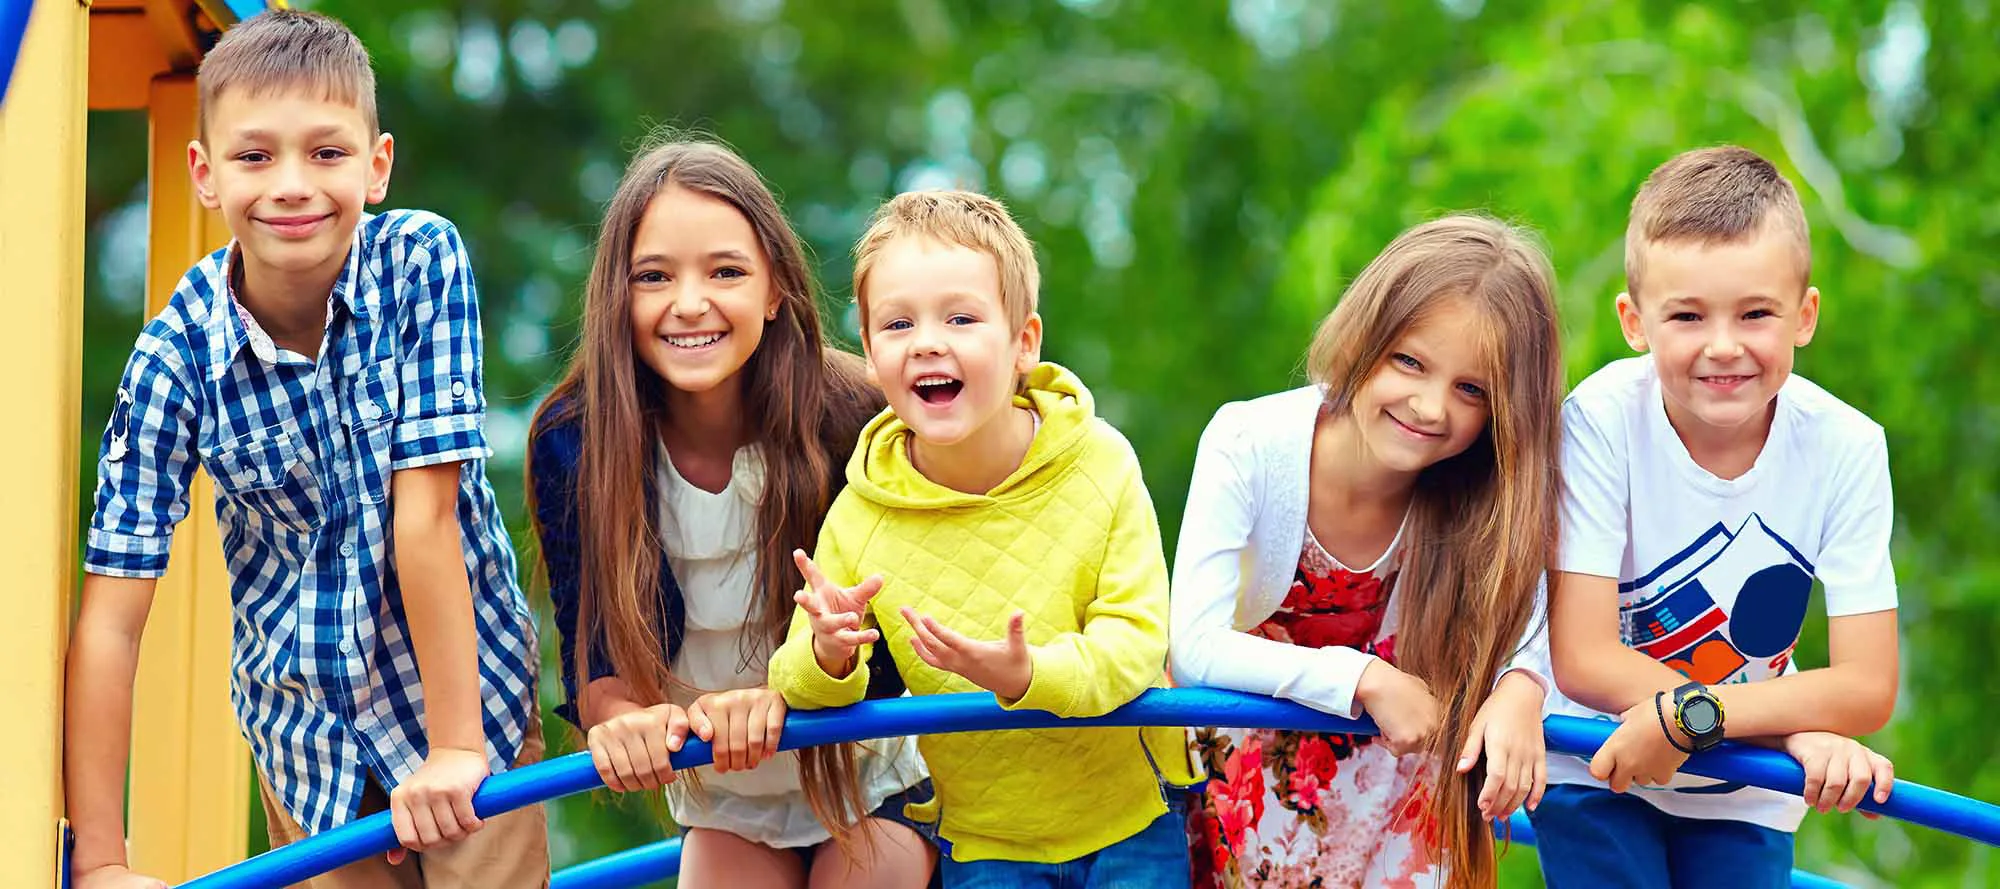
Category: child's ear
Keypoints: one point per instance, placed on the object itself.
(203, 175)
(381, 161)
(1030, 353)
(1628, 322)
(1808, 317)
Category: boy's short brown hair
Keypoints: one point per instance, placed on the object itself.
(963, 219)
(287, 49)
(1721, 195)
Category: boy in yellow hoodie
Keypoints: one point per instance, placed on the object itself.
(997, 535)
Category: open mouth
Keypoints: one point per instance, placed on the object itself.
(938, 389)
(694, 340)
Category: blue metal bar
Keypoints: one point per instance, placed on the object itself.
(658, 861)
(969, 712)
(632, 867)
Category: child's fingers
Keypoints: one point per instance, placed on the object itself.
(600, 758)
(1885, 777)
(1017, 630)
(401, 819)
(425, 822)
(925, 653)
(925, 629)
(467, 817)
(677, 729)
(1815, 779)
(774, 724)
(859, 595)
(946, 637)
(446, 818)
(738, 729)
(395, 856)
(1475, 743)
(1540, 783)
(1835, 785)
(700, 723)
(621, 763)
(754, 732)
(659, 760)
(810, 571)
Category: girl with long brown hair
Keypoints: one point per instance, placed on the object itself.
(1375, 541)
(695, 442)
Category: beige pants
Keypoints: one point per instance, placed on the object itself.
(510, 851)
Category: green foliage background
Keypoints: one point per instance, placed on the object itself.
(1202, 177)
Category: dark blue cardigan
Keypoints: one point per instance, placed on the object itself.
(555, 452)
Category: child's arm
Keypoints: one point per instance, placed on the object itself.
(97, 724)
(439, 424)
(1208, 578)
(435, 805)
(795, 670)
(145, 466)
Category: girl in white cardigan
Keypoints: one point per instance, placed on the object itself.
(1375, 542)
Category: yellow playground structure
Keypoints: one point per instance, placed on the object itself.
(191, 779)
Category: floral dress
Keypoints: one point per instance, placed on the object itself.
(1316, 809)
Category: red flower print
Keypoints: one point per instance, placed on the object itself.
(1312, 770)
(1414, 817)
(1386, 650)
(1354, 629)
(1354, 592)
(1239, 801)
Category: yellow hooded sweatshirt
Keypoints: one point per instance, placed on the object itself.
(1071, 539)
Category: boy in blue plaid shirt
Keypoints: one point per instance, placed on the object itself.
(324, 369)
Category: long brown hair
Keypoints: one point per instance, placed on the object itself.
(805, 403)
(1482, 525)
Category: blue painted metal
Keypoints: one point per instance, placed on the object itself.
(934, 714)
(13, 30)
(633, 867)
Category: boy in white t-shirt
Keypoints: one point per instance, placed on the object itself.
(1707, 487)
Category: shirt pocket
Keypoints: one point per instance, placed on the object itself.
(371, 421)
(267, 476)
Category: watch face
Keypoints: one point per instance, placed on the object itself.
(1698, 716)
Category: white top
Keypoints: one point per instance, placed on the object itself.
(1241, 535)
(710, 542)
(1714, 575)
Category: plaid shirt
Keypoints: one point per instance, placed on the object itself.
(323, 676)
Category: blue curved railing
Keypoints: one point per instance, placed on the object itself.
(969, 712)
(658, 861)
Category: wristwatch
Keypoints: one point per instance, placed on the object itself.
(1698, 713)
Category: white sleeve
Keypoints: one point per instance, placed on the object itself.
(1531, 655)
(1854, 555)
(1595, 509)
(1205, 647)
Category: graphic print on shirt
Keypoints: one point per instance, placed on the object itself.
(1726, 609)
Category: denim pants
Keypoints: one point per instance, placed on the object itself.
(1154, 858)
(1589, 837)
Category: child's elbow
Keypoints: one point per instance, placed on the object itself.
(1873, 706)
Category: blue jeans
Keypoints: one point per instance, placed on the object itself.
(1589, 837)
(1154, 858)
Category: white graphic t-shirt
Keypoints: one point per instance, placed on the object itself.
(1715, 575)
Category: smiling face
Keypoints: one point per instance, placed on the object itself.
(1428, 400)
(292, 174)
(1721, 321)
(701, 290)
(939, 343)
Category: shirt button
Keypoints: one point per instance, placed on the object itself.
(370, 411)
(458, 388)
(346, 646)
(347, 549)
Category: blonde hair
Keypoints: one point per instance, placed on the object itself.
(963, 219)
(1482, 525)
(287, 49)
(1708, 196)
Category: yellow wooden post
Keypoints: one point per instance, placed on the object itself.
(190, 767)
(41, 249)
